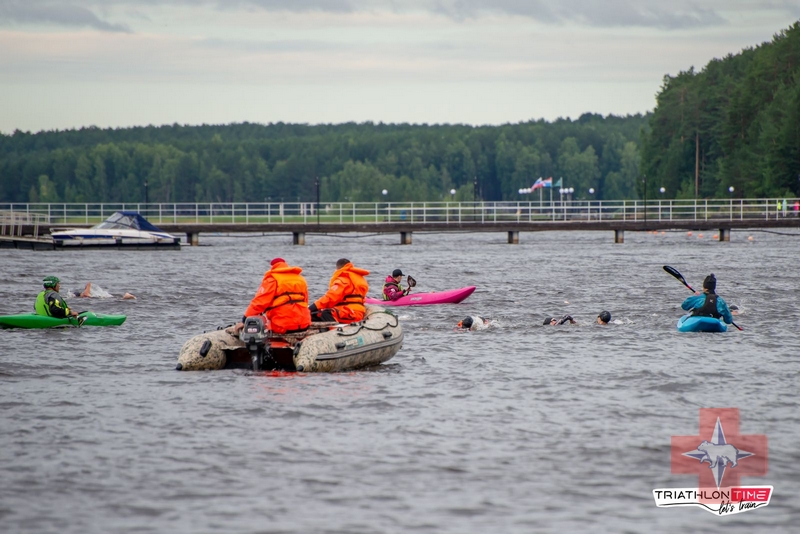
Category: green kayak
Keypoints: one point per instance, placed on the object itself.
(31, 320)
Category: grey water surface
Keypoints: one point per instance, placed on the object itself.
(517, 428)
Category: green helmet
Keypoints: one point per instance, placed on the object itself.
(50, 281)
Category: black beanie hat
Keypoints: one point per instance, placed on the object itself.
(396, 273)
(710, 283)
(547, 321)
(466, 322)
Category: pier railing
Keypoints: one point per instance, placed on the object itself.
(411, 212)
(12, 223)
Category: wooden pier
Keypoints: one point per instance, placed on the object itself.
(512, 218)
(300, 231)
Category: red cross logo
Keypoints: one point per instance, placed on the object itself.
(729, 454)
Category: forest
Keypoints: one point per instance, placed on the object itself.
(733, 124)
(352, 162)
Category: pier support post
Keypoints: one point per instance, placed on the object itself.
(405, 238)
(513, 237)
(193, 238)
(724, 234)
(619, 236)
(298, 238)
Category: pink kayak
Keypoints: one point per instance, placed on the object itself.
(451, 296)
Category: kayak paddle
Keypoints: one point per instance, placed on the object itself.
(674, 272)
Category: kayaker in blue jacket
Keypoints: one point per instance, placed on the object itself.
(708, 303)
(50, 303)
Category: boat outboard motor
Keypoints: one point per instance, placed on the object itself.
(254, 336)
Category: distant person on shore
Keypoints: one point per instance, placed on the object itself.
(50, 303)
(89, 292)
(797, 208)
(554, 321)
(344, 301)
(604, 317)
(392, 290)
(708, 303)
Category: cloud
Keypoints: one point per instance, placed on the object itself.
(605, 13)
(59, 13)
(674, 15)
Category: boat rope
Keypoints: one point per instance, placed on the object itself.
(362, 326)
(778, 233)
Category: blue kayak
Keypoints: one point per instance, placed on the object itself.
(691, 323)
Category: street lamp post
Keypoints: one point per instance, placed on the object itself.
(385, 194)
(645, 201)
(730, 190)
(316, 183)
(145, 191)
(662, 190)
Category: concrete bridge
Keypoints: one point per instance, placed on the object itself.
(303, 218)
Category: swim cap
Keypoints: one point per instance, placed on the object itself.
(50, 281)
(710, 283)
(466, 322)
(547, 320)
(277, 260)
(605, 316)
(396, 273)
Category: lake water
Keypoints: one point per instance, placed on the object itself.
(517, 428)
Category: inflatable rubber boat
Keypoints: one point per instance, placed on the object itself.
(693, 323)
(451, 296)
(32, 320)
(324, 347)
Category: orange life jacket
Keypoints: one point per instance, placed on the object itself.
(345, 297)
(284, 299)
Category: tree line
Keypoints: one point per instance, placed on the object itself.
(352, 162)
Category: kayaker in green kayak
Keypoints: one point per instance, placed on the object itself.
(50, 303)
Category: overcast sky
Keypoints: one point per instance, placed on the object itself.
(74, 63)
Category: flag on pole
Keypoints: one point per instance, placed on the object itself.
(542, 183)
(558, 183)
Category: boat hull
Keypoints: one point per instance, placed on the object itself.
(451, 296)
(326, 347)
(31, 320)
(691, 323)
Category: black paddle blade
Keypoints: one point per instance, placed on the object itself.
(674, 272)
(411, 281)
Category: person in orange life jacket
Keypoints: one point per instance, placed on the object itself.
(708, 303)
(391, 286)
(282, 297)
(50, 303)
(344, 301)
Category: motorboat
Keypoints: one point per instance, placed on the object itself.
(124, 229)
(323, 347)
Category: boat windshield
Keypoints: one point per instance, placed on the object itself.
(119, 221)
